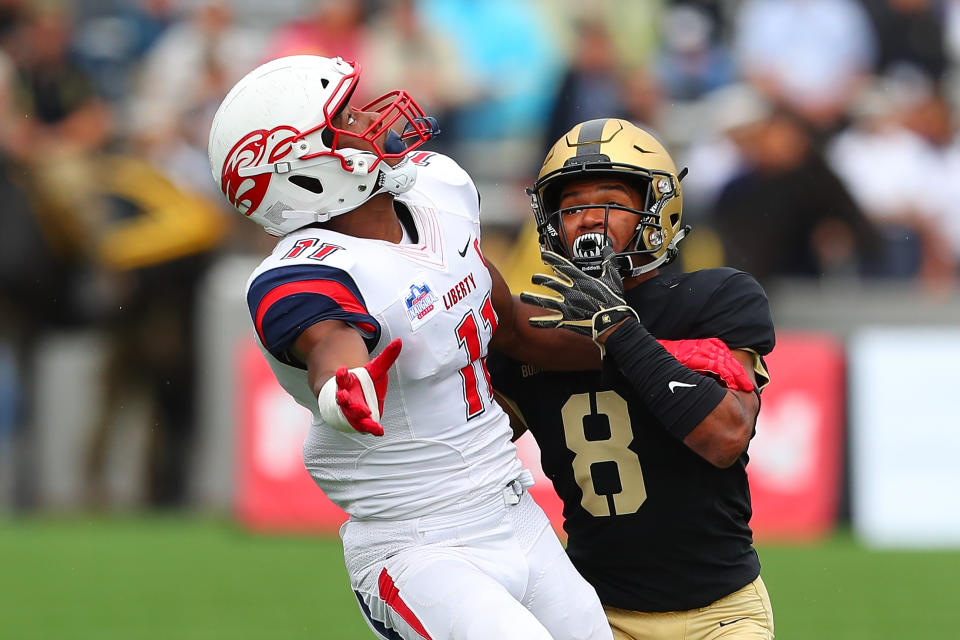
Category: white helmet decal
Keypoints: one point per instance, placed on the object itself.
(247, 192)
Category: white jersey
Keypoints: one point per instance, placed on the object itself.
(446, 443)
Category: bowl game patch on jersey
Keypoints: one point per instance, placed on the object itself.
(421, 304)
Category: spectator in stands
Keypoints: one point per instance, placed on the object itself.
(403, 51)
(691, 60)
(901, 137)
(51, 120)
(809, 56)
(713, 157)
(32, 279)
(87, 205)
(29, 271)
(331, 27)
(64, 121)
(111, 45)
(60, 99)
(800, 218)
(12, 14)
(183, 78)
(510, 53)
(951, 10)
(635, 33)
(591, 84)
(910, 32)
(643, 98)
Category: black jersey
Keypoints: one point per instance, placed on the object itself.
(650, 524)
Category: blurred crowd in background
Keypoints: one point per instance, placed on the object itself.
(820, 137)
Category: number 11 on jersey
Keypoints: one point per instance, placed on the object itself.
(468, 335)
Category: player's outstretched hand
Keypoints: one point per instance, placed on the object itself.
(360, 393)
(713, 357)
(581, 302)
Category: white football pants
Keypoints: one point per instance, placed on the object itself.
(496, 573)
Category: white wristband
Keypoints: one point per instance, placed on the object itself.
(330, 411)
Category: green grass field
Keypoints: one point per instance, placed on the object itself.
(149, 578)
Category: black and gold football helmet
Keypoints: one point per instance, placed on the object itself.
(609, 146)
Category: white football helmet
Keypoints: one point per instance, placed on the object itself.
(277, 157)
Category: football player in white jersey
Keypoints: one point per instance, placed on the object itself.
(375, 312)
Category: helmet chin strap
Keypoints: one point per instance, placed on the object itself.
(397, 179)
(671, 251)
(667, 256)
(309, 217)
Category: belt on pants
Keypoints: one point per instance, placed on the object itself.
(512, 492)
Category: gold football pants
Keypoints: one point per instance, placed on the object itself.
(745, 614)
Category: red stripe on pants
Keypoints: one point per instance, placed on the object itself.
(391, 595)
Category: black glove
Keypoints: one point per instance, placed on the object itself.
(584, 304)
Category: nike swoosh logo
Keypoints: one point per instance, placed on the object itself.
(673, 384)
(463, 254)
(723, 624)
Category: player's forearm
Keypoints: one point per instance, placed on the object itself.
(552, 349)
(714, 422)
(676, 396)
(723, 436)
(326, 346)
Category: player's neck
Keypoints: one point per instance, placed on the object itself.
(375, 219)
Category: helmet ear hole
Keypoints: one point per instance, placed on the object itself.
(674, 219)
(326, 137)
(309, 183)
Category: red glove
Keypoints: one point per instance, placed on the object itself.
(360, 393)
(710, 356)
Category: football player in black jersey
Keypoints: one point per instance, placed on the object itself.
(648, 455)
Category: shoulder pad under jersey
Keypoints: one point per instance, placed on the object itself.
(446, 183)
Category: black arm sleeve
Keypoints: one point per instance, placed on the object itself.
(676, 396)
